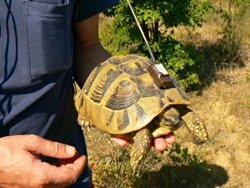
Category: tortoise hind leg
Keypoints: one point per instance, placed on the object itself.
(140, 147)
(195, 127)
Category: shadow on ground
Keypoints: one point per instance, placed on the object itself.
(186, 177)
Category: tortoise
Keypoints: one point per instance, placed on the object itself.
(121, 98)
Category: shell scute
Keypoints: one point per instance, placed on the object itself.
(125, 121)
(122, 95)
(147, 88)
(134, 68)
(99, 86)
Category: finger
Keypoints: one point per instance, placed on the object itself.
(66, 174)
(122, 142)
(62, 162)
(170, 138)
(162, 143)
(38, 145)
(159, 143)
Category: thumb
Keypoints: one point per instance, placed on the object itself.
(38, 145)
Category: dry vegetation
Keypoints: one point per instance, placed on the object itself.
(224, 161)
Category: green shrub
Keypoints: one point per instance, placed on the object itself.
(158, 19)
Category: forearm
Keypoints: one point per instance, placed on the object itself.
(86, 60)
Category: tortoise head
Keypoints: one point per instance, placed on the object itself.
(169, 118)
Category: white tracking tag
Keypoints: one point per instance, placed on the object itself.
(161, 69)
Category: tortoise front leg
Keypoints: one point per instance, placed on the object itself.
(195, 127)
(140, 147)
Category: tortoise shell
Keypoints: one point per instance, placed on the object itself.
(120, 95)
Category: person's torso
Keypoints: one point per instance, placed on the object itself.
(36, 56)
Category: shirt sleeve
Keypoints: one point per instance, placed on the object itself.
(88, 8)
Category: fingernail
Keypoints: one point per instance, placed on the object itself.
(70, 150)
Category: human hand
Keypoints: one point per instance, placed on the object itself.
(160, 143)
(21, 167)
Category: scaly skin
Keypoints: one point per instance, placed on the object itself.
(195, 127)
(140, 147)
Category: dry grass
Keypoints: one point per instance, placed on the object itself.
(225, 105)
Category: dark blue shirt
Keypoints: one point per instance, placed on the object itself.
(36, 56)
